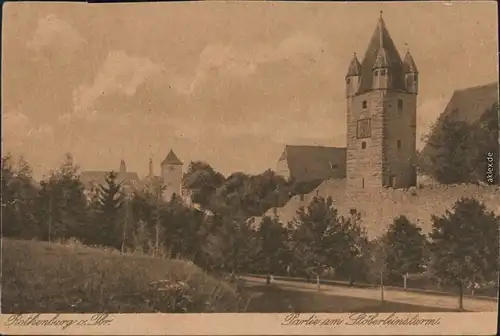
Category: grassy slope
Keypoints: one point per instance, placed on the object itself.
(43, 277)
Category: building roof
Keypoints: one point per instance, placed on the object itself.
(313, 161)
(99, 177)
(469, 104)
(383, 49)
(409, 64)
(171, 159)
(354, 67)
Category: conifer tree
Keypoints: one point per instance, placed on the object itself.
(110, 211)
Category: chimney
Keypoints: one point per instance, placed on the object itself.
(151, 167)
(123, 168)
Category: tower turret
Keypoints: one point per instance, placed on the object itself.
(382, 65)
(123, 167)
(353, 77)
(150, 172)
(411, 73)
(171, 173)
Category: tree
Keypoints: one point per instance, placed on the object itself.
(485, 139)
(313, 232)
(62, 205)
(405, 249)
(110, 212)
(201, 180)
(457, 151)
(231, 246)
(349, 247)
(274, 253)
(447, 158)
(19, 193)
(181, 228)
(464, 245)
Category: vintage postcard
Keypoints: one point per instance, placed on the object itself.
(250, 168)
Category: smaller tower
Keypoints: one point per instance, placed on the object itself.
(123, 167)
(353, 77)
(411, 73)
(150, 173)
(381, 67)
(171, 173)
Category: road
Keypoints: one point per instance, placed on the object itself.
(399, 296)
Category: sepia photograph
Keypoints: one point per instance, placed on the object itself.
(291, 159)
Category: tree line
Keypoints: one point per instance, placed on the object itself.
(462, 247)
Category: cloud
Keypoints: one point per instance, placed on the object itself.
(120, 73)
(227, 60)
(51, 30)
(314, 124)
(14, 121)
(19, 129)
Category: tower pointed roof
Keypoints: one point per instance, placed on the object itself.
(354, 67)
(409, 64)
(171, 159)
(381, 51)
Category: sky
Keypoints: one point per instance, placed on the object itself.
(229, 83)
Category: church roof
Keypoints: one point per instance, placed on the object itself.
(409, 64)
(171, 159)
(354, 67)
(381, 44)
(314, 162)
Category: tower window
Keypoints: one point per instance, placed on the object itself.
(362, 183)
(364, 128)
(400, 105)
(399, 144)
(383, 72)
(333, 166)
(363, 145)
(376, 73)
(348, 81)
(364, 104)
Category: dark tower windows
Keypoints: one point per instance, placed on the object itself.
(399, 144)
(400, 105)
(364, 104)
(363, 145)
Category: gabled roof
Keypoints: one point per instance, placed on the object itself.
(308, 162)
(381, 43)
(171, 159)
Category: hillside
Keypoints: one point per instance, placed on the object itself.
(380, 207)
(51, 278)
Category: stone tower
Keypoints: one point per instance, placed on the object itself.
(381, 93)
(171, 173)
